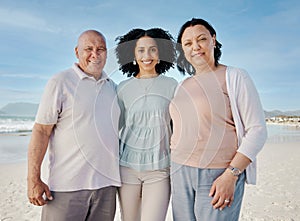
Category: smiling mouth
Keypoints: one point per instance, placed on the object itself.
(147, 62)
(198, 54)
(95, 62)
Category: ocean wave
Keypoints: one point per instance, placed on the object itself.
(11, 124)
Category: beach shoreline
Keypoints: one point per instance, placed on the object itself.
(295, 125)
(273, 198)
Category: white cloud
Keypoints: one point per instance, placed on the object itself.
(24, 75)
(24, 19)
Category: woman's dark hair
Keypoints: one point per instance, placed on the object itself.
(127, 43)
(182, 64)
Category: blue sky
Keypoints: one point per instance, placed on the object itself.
(38, 39)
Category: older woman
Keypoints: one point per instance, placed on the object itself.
(219, 128)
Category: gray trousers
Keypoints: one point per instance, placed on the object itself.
(83, 205)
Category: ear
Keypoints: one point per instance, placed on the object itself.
(214, 40)
(76, 52)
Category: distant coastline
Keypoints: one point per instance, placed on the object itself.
(293, 121)
(20, 109)
(17, 119)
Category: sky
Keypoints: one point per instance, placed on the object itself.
(38, 39)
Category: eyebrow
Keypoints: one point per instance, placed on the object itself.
(189, 39)
(91, 46)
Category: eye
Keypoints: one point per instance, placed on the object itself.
(89, 49)
(102, 49)
(153, 49)
(202, 39)
(187, 44)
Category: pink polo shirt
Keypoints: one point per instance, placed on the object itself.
(204, 133)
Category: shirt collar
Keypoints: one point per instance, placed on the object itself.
(82, 75)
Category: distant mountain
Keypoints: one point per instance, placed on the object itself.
(19, 109)
(275, 113)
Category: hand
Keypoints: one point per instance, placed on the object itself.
(222, 190)
(36, 190)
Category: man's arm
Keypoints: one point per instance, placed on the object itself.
(36, 152)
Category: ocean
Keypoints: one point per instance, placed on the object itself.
(15, 134)
(283, 133)
(15, 124)
(14, 137)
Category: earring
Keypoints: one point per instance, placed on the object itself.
(158, 61)
(134, 62)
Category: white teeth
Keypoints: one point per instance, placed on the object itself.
(95, 62)
(147, 62)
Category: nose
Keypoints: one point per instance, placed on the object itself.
(95, 52)
(195, 45)
(98, 51)
(148, 54)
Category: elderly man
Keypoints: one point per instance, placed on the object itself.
(77, 121)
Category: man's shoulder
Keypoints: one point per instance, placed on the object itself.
(111, 83)
(63, 74)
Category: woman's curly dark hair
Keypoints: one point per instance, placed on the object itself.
(182, 64)
(126, 45)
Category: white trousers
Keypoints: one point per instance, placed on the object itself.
(144, 195)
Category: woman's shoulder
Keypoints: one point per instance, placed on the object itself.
(237, 76)
(185, 81)
(168, 79)
(236, 71)
(125, 82)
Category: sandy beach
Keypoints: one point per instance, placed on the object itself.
(275, 197)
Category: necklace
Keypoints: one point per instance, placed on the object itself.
(146, 76)
(145, 85)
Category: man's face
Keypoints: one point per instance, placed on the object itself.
(91, 53)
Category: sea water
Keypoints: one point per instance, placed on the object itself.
(14, 137)
(283, 133)
(15, 134)
(15, 124)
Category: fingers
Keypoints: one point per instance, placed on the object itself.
(41, 197)
(48, 193)
(226, 202)
(212, 190)
(219, 202)
(231, 201)
(37, 201)
(222, 191)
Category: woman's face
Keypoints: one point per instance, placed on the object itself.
(146, 55)
(198, 46)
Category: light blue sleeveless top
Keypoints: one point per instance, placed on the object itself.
(144, 124)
